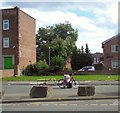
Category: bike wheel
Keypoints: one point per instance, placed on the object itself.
(61, 83)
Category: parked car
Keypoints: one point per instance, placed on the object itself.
(87, 68)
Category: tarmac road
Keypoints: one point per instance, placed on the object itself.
(105, 98)
(18, 92)
(88, 105)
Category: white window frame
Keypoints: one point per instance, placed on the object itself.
(6, 42)
(6, 22)
(115, 63)
(114, 50)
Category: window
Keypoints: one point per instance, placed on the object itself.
(5, 24)
(115, 63)
(115, 48)
(6, 42)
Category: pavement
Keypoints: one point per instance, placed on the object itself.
(19, 98)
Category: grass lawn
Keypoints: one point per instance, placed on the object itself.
(57, 77)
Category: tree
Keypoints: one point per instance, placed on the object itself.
(58, 63)
(81, 58)
(88, 56)
(59, 48)
(75, 59)
(61, 38)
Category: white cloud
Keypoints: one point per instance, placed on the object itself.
(92, 30)
(89, 31)
(113, 13)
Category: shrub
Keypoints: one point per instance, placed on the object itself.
(39, 68)
(41, 65)
(30, 70)
(98, 66)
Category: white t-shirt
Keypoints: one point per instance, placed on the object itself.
(67, 78)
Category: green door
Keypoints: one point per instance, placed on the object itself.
(8, 63)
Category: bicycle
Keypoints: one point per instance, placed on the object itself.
(72, 84)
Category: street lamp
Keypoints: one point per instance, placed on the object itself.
(49, 56)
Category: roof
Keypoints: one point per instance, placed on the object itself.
(19, 10)
(116, 36)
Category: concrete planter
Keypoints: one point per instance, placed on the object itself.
(39, 91)
(86, 91)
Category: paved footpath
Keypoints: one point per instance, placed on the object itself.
(16, 98)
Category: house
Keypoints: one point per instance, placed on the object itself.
(97, 58)
(17, 40)
(111, 50)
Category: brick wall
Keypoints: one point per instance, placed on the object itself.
(1, 40)
(12, 33)
(7, 73)
(108, 55)
(27, 40)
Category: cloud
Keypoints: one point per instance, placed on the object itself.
(94, 28)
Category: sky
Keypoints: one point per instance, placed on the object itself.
(95, 21)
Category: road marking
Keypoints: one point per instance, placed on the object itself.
(44, 104)
(86, 104)
(63, 104)
(28, 104)
(104, 104)
(55, 104)
(94, 104)
(113, 104)
(73, 104)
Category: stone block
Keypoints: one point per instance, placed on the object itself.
(40, 91)
(86, 91)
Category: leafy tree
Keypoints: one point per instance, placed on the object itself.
(59, 48)
(75, 59)
(60, 38)
(81, 58)
(58, 63)
(88, 56)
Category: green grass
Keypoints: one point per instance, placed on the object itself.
(57, 77)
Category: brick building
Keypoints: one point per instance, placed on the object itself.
(111, 50)
(17, 40)
(97, 58)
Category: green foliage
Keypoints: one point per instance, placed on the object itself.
(81, 58)
(38, 68)
(60, 37)
(58, 63)
(59, 48)
(41, 65)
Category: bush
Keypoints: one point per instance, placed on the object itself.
(98, 66)
(41, 65)
(30, 70)
(39, 68)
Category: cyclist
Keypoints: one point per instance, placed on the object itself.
(67, 80)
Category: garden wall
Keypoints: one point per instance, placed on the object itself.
(6, 73)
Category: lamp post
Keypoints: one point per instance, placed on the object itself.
(49, 56)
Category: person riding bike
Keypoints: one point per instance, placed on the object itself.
(67, 80)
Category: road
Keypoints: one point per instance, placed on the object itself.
(22, 91)
(91, 105)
